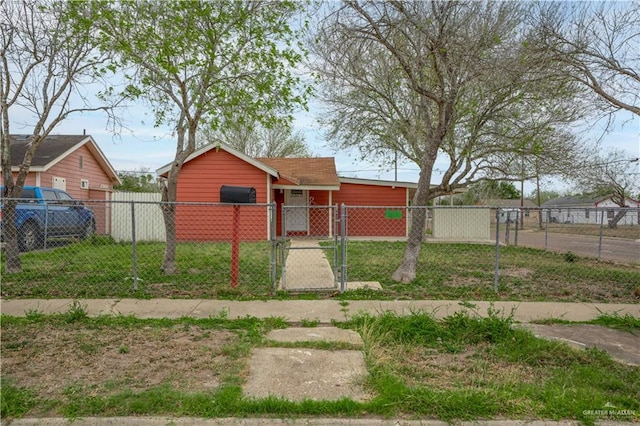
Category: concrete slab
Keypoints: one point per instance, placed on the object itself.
(319, 421)
(315, 334)
(298, 374)
(357, 285)
(621, 345)
(307, 268)
(156, 308)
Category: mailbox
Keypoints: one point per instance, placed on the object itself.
(237, 194)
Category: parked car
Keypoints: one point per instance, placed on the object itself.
(44, 213)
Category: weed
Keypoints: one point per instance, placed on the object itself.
(76, 312)
(570, 257)
(309, 323)
(123, 349)
(15, 401)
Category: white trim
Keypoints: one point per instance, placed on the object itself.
(376, 182)
(406, 215)
(269, 190)
(38, 178)
(330, 215)
(241, 155)
(307, 187)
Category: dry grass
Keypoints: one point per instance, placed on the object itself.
(104, 360)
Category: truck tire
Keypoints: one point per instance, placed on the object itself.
(30, 237)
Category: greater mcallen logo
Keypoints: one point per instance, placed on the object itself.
(609, 410)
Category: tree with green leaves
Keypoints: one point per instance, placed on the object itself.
(202, 63)
(137, 181)
(459, 80)
(46, 64)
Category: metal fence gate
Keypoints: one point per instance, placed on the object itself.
(308, 248)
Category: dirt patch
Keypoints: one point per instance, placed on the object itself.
(102, 360)
(517, 272)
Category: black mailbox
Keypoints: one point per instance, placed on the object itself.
(237, 194)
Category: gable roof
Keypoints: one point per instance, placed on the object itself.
(224, 147)
(305, 172)
(55, 148)
(376, 182)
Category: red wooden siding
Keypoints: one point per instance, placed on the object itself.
(372, 222)
(319, 217)
(200, 181)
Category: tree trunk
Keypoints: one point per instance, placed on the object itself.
(406, 272)
(10, 236)
(169, 194)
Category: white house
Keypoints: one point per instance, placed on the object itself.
(591, 210)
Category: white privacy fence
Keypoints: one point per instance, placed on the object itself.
(140, 210)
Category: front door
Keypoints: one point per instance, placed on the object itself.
(296, 211)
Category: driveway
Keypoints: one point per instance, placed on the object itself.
(614, 249)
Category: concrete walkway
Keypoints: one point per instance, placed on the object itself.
(323, 311)
(306, 268)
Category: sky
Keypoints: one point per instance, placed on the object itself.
(142, 146)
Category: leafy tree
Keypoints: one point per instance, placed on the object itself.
(257, 141)
(138, 181)
(490, 190)
(430, 78)
(199, 63)
(46, 63)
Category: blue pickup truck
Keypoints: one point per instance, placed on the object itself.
(44, 213)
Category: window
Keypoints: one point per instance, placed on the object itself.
(49, 195)
(586, 213)
(527, 212)
(296, 193)
(610, 214)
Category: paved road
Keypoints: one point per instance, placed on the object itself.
(615, 249)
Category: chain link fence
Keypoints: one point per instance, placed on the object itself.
(256, 250)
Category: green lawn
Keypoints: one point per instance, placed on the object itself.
(100, 268)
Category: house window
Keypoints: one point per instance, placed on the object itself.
(586, 213)
(81, 162)
(296, 193)
(610, 214)
(527, 212)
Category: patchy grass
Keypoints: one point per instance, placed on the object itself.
(460, 368)
(466, 272)
(100, 268)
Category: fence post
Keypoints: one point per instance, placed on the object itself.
(336, 223)
(343, 248)
(506, 232)
(496, 273)
(134, 247)
(518, 216)
(46, 226)
(273, 236)
(600, 240)
(283, 278)
(546, 229)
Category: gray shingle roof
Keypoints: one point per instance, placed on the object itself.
(48, 150)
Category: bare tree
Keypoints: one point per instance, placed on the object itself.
(609, 174)
(432, 78)
(202, 62)
(599, 42)
(278, 140)
(45, 64)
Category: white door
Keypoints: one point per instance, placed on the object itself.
(297, 217)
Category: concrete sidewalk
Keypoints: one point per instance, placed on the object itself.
(323, 311)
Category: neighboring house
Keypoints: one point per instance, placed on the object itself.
(309, 185)
(510, 208)
(593, 210)
(73, 163)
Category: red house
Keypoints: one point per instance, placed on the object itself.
(307, 186)
(73, 163)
